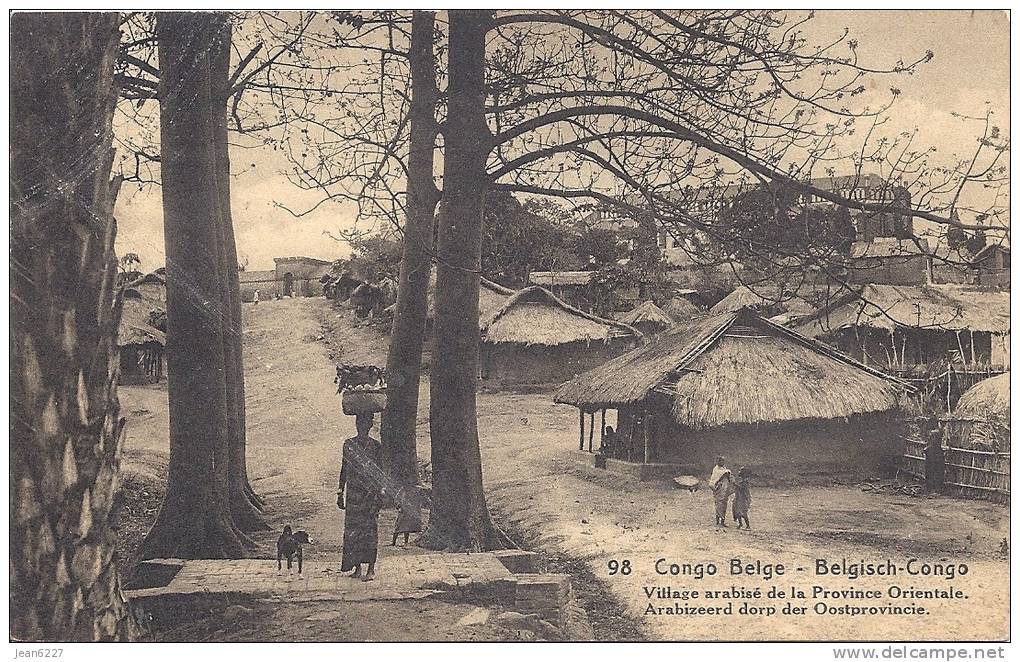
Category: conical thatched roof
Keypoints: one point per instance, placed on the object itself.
(535, 316)
(681, 310)
(986, 400)
(648, 314)
(143, 299)
(764, 297)
(734, 368)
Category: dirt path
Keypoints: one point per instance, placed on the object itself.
(295, 433)
(533, 481)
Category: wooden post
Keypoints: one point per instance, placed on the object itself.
(602, 435)
(973, 352)
(580, 414)
(949, 388)
(591, 431)
(646, 418)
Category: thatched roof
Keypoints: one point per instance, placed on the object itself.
(491, 296)
(143, 298)
(647, 313)
(888, 307)
(535, 316)
(681, 310)
(551, 278)
(986, 400)
(764, 296)
(733, 368)
(135, 326)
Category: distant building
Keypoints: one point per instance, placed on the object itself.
(293, 276)
(890, 261)
(707, 202)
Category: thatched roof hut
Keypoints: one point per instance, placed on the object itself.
(535, 337)
(681, 310)
(985, 400)
(535, 316)
(141, 334)
(741, 368)
(647, 318)
(734, 371)
(906, 325)
(888, 307)
(765, 299)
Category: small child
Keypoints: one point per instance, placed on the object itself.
(742, 499)
(408, 513)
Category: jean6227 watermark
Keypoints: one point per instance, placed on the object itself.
(38, 652)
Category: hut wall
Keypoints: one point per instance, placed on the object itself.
(865, 446)
(919, 346)
(142, 364)
(1000, 349)
(511, 363)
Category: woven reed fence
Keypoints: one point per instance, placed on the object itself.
(977, 457)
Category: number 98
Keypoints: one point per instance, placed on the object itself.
(619, 567)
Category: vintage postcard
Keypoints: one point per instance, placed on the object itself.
(511, 325)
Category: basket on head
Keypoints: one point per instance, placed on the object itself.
(356, 403)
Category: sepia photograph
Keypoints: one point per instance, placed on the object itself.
(510, 325)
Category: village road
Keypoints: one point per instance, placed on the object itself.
(295, 431)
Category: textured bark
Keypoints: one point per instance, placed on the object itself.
(403, 363)
(194, 520)
(65, 424)
(459, 517)
(243, 505)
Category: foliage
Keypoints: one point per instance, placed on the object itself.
(373, 258)
(767, 224)
(518, 238)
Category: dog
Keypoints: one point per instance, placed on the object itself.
(289, 545)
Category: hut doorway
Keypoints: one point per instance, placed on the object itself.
(288, 284)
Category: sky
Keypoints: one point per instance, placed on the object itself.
(970, 68)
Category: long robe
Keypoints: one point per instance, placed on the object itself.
(721, 492)
(742, 498)
(362, 477)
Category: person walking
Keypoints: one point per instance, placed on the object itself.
(721, 482)
(360, 496)
(408, 513)
(742, 498)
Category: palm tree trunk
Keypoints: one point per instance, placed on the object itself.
(65, 416)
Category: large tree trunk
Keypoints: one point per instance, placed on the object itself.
(65, 424)
(403, 363)
(459, 518)
(194, 520)
(244, 505)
